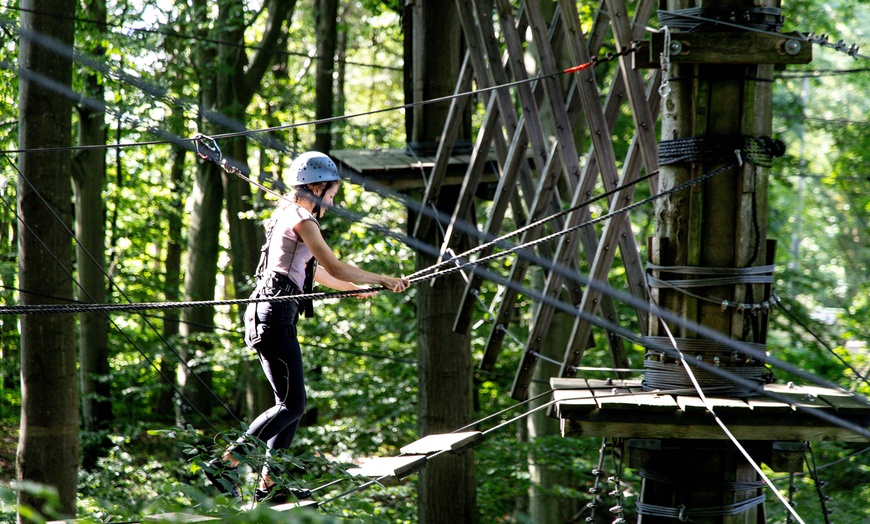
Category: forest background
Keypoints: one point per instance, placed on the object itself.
(142, 445)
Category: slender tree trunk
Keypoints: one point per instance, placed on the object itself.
(48, 446)
(228, 92)
(10, 353)
(89, 173)
(340, 77)
(199, 284)
(172, 270)
(327, 36)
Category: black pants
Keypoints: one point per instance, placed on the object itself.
(270, 329)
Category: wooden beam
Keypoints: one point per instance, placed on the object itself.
(640, 428)
(485, 39)
(725, 48)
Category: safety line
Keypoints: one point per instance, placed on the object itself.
(183, 36)
(701, 330)
(724, 428)
(414, 278)
(78, 56)
(814, 377)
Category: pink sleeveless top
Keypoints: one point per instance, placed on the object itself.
(287, 253)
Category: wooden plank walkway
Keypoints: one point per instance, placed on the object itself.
(620, 408)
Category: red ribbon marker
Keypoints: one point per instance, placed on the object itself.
(576, 68)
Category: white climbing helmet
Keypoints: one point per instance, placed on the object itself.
(312, 167)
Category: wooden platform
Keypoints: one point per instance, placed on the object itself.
(399, 170)
(620, 408)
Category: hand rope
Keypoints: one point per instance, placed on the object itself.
(420, 276)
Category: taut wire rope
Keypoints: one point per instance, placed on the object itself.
(63, 50)
(725, 429)
(703, 331)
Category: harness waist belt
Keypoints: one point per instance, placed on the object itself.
(280, 282)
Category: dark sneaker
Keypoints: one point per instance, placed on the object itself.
(222, 477)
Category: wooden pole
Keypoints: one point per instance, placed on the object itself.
(720, 223)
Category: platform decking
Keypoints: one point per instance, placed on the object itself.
(621, 409)
(399, 170)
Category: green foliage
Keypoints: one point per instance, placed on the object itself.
(360, 355)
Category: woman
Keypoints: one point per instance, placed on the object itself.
(294, 254)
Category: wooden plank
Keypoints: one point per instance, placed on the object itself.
(799, 396)
(764, 405)
(442, 442)
(573, 400)
(398, 467)
(691, 404)
(649, 401)
(568, 383)
(595, 383)
(613, 393)
(308, 503)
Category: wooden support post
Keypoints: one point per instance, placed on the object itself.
(717, 90)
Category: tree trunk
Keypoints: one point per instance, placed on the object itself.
(447, 490)
(89, 173)
(10, 353)
(48, 446)
(546, 506)
(324, 91)
(340, 79)
(228, 92)
(199, 283)
(172, 271)
(447, 487)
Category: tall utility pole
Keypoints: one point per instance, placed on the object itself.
(717, 230)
